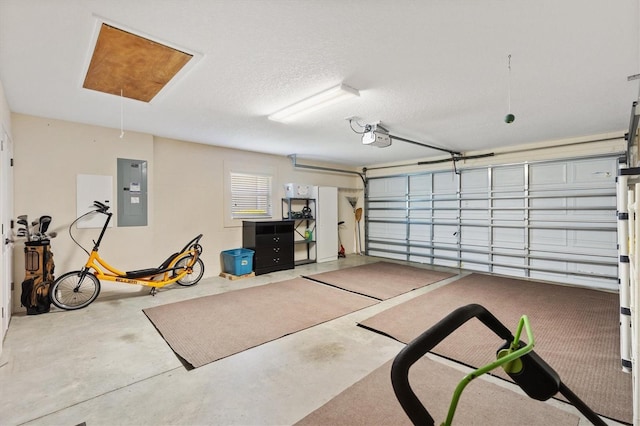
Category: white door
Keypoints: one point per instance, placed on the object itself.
(6, 214)
(327, 224)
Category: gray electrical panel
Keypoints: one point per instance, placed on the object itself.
(132, 192)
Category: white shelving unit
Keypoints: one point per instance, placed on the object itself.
(302, 211)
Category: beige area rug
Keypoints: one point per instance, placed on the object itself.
(209, 328)
(576, 332)
(372, 401)
(381, 280)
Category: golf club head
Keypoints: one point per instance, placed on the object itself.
(22, 221)
(22, 232)
(44, 223)
(53, 234)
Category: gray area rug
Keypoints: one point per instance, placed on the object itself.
(381, 280)
(371, 401)
(209, 328)
(576, 332)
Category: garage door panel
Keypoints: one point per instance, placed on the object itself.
(446, 258)
(420, 232)
(474, 235)
(594, 171)
(548, 238)
(509, 237)
(445, 183)
(387, 230)
(551, 220)
(396, 186)
(474, 181)
(603, 241)
(446, 234)
(420, 185)
(547, 175)
(508, 177)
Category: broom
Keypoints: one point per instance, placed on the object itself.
(358, 217)
(353, 201)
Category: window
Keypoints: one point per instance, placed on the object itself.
(250, 196)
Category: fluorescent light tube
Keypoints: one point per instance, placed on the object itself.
(315, 102)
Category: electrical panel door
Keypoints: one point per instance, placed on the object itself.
(132, 192)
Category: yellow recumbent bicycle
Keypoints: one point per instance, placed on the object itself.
(77, 289)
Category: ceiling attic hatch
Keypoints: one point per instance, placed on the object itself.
(125, 64)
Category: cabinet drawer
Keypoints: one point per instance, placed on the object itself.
(268, 256)
(274, 240)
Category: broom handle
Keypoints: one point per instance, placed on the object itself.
(358, 217)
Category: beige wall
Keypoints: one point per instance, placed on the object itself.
(190, 198)
(48, 156)
(186, 187)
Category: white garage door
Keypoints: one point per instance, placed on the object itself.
(553, 220)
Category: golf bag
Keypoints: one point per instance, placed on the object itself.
(39, 269)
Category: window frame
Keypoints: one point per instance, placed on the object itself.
(262, 192)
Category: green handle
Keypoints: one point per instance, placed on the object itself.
(507, 361)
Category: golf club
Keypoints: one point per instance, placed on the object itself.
(44, 222)
(22, 220)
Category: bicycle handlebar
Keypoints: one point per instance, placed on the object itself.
(102, 208)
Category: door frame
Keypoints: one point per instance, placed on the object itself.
(6, 224)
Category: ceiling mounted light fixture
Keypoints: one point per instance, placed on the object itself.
(315, 102)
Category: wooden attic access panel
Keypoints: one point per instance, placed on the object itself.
(137, 66)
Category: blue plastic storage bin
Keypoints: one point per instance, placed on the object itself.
(238, 261)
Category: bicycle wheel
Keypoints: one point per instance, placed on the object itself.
(66, 294)
(197, 270)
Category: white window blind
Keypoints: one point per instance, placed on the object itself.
(250, 196)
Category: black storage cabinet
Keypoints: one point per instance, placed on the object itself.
(272, 243)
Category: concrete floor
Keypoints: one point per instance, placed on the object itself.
(107, 364)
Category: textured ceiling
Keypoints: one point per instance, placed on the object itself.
(431, 71)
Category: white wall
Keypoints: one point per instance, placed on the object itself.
(186, 187)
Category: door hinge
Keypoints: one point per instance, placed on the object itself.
(11, 285)
(11, 162)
